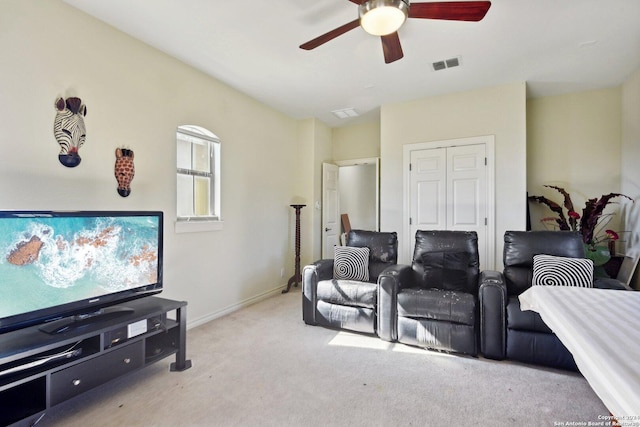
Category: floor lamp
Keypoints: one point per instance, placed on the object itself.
(297, 277)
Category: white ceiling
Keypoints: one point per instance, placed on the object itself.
(555, 46)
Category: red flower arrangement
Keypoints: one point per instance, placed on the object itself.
(588, 222)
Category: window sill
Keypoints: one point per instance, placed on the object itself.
(198, 226)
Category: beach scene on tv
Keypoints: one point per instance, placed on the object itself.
(48, 261)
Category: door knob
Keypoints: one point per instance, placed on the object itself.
(327, 229)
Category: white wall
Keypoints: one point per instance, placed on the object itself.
(499, 111)
(630, 169)
(136, 97)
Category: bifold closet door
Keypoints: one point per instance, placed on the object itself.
(448, 191)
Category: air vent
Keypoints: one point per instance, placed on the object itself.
(345, 113)
(440, 65)
(446, 63)
(452, 62)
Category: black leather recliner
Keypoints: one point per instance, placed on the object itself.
(433, 302)
(348, 304)
(506, 332)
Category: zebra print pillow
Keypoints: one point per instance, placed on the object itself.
(351, 263)
(561, 271)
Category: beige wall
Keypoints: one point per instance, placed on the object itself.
(358, 141)
(136, 97)
(587, 142)
(630, 169)
(574, 143)
(314, 149)
(304, 190)
(498, 111)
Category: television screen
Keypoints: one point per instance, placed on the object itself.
(56, 264)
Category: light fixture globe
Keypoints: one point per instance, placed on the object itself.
(382, 17)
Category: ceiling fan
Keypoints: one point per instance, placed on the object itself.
(384, 17)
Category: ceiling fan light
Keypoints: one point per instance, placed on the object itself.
(382, 17)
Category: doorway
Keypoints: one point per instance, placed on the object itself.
(359, 195)
(350, 187)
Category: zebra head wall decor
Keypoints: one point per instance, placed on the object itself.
(69, 129)
(124, 170)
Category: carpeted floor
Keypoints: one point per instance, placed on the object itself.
(262, 366)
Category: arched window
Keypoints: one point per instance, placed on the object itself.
(198, 174)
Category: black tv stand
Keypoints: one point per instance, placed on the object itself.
(40, 370)
(81, 320)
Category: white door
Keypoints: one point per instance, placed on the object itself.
(466, 193)
(330, 209)
(448, 189)
(428, 191)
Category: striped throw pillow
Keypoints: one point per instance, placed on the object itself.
(351, 263)
(562, 271)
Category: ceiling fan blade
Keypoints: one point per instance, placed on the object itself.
(312, 44)
(452, 11)
(391, 48)
(357, 1)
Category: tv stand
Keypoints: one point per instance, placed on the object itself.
(78, 321)
(39, 370)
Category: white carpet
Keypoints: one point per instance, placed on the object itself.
(262, 366)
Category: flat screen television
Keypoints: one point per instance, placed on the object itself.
(62, 268)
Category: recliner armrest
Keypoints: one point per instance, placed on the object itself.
(311, 275)
(390, 281)
(610, 283)
(324, 268)
(493, 302)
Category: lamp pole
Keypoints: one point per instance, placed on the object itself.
(297, 277)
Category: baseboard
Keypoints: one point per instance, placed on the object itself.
(235, 307)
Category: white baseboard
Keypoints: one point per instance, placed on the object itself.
(235, 307)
